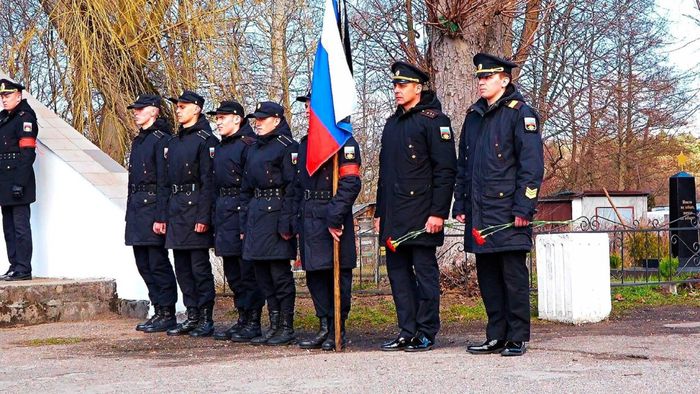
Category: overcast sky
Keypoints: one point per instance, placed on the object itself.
(684, 45)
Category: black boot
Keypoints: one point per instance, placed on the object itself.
(251, 329)
(285, 335)
(234, 329)
(166, 321)
(274, 327)
(188, 325)
(319, 338)
(156, 314)
(329, 343)
(205, 328)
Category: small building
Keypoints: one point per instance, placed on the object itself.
(631, 206)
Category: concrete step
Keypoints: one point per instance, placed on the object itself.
(46, 300)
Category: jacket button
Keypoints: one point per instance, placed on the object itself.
(496, 145)
(145, 201)
(413, 156)
(269, 208)
(410, 146)
(238, 208)
(500, 194)
(499, 155)
(189, 202)
(411, 192)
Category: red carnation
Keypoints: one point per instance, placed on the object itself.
(390, 244)
(477, 237)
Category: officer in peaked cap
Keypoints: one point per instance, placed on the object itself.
(417, 167)
(237, 137)
(18, 130)
(146, 210)
(268, 216)
(500, 169)
(189, 158)
(404, 73)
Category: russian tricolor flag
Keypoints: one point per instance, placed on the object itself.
(332, 92)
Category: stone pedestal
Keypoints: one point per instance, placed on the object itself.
(53, 300)
(573, 277)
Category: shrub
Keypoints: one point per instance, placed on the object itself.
(615, 261)
(668, 266)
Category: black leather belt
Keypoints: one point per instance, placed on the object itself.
(149, 188)
(317, 194)
(187, 187)
(9, 156)
(267, 193)
(229, 191)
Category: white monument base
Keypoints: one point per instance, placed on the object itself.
(573, 277)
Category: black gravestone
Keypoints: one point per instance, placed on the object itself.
(683, 214)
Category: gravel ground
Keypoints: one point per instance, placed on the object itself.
(651, 350)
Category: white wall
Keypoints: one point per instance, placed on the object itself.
(78, 231)
(589, 205)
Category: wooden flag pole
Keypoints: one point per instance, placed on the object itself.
(336, 270)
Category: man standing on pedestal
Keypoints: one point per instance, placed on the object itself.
(18, 130)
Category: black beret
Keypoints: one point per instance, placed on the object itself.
(188, 96)
(7, 86)
(146, 100)
(488, 65)
(405, 72)
(266, 109)
(228, 108)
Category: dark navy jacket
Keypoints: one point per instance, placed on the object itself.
(18, 133)
(229, 162)
(316, 215)
(189, 162)
(148, 188)
(417, 171)
(271, 164)
(501, 167)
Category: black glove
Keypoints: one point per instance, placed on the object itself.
(17, 191)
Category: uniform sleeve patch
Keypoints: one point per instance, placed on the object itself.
(445, 133)
(530, 124)
(295, 158)
(349, 152)
(27, 127)
(530, 193)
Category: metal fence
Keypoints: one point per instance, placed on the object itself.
(641, 253)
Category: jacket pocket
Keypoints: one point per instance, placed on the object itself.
(497, 203)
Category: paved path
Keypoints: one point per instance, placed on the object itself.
(640, 355)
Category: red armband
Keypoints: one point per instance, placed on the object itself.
(27, 142)
(351, 169)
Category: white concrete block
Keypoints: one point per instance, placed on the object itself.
(573, 277)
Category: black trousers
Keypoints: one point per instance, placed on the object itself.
(193, 271)
(505, 289)
(240, 275)
(157, 272)
(276, 281)
(415, 285)
(18, 237)
(320, 284)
